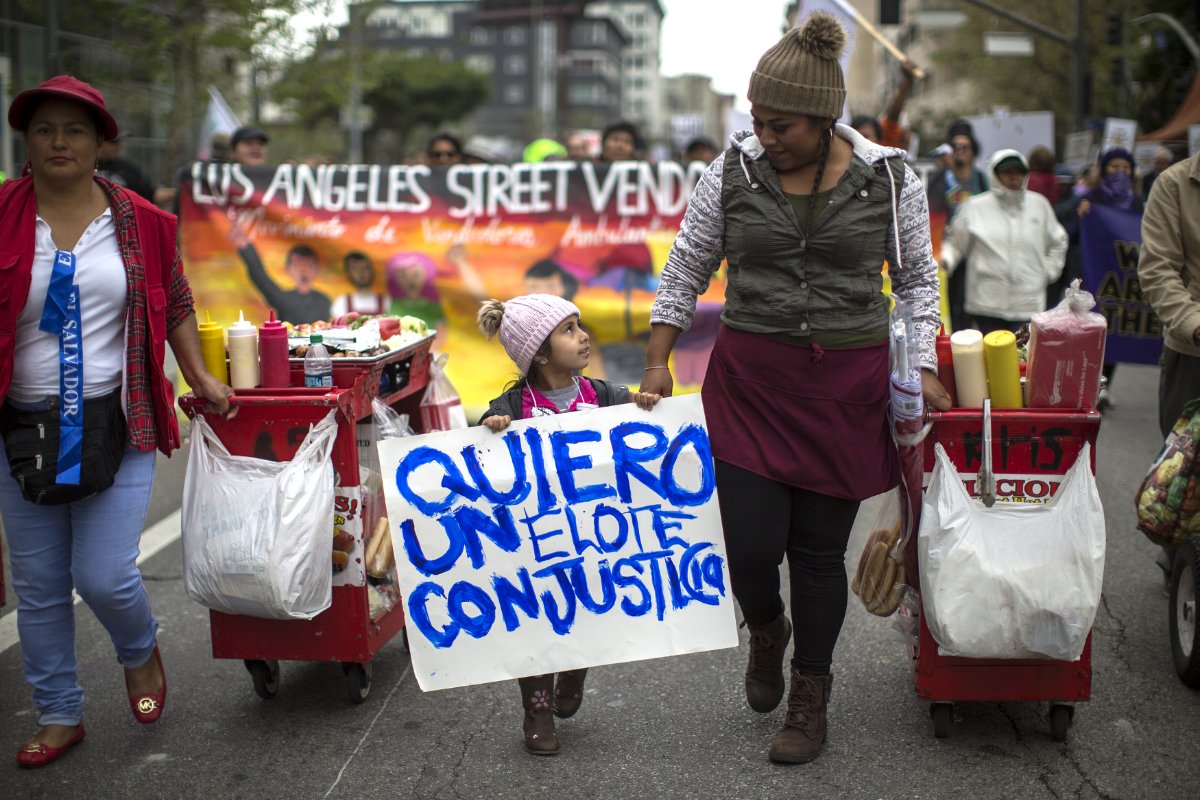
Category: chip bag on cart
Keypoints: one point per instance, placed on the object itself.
(256, 537)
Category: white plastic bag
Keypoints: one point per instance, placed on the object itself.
(1011, 581)
(256, 533)
(441, 407)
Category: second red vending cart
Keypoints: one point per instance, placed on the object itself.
(1029, 450)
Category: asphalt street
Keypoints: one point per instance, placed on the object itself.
(674, 727)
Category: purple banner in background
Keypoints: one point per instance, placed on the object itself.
(1111, 241)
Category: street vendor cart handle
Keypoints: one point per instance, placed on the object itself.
(987, 477)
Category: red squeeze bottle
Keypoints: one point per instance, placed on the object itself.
(273, 353)
(945, 359)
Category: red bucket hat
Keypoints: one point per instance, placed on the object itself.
(66, 87)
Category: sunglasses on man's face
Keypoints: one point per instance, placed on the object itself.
(443, 154)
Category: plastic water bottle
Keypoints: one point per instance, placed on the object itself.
(318, 366)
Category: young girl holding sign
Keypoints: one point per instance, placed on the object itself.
(541, 334)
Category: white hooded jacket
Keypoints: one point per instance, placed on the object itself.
(1013, 246)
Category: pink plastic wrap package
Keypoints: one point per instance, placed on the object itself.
(1066, 353)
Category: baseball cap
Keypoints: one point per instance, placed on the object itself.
(66, 87)
(248, 133)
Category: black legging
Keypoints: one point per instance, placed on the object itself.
(765, 520)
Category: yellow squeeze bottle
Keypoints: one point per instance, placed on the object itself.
(212, 348)
(1003, 372)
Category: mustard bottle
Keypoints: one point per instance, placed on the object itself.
(212, 348)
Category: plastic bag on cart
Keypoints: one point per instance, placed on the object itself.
(1011, 581)
(389, 422)
(880, 579)
(256, 535)
(908, 401)
(910, 426)
(441, 407)
(1168, 501)
(1066, 352)
(380, 564)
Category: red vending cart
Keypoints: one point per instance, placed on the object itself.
(271, 424)
(1017, 455)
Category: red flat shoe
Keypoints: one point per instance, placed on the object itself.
(39, 755)
(147, 708)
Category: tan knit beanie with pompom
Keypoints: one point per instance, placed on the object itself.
(801, 74)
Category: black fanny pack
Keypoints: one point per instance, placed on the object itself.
(31, 443)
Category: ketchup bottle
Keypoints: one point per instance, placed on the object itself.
(945, 359)
(273, 353)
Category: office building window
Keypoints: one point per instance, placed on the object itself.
(481, 63)
(514, 94)
(514, 35)
(480, 35)
(587, 94)
(595, 33)
(514, 65)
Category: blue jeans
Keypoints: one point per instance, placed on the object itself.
(92, 547)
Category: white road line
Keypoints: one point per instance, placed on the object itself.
(370, 727)
(154, 539)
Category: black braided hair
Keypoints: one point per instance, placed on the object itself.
(826, 146)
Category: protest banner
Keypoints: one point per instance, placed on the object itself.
(566, 541)
(1111, 241)
(440, 241)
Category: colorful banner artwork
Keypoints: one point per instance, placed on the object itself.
(314, 242)
(564, 542)
(1111, 241)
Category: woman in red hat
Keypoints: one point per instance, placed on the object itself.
(91, 289)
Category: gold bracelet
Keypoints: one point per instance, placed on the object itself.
(659, 366)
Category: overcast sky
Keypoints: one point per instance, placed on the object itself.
(706, 37)
(703, 37)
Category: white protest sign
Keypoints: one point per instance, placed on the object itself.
(1118, 133)
(564, 542)
(1080, 150)
(1020, 131)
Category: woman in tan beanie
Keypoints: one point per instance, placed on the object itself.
(805, 211)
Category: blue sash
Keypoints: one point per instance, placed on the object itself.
(61, 316)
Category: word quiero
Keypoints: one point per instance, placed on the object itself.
(619, 547)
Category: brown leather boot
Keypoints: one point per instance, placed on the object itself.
(540, 737)
(803, 733)
(764, 670)
(568, 692)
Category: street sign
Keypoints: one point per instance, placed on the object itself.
(996, 43)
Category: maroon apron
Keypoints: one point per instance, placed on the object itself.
(808, 416)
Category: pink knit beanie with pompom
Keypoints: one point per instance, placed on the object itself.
(526, 323)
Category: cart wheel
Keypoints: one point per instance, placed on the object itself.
(265, 675)
(1061, 715)
(358, 680)
(942, 714)
(1185, 635)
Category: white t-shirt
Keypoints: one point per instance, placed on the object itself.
(100, 275)
(362, 302)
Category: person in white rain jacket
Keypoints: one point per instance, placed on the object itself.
(1013, 246)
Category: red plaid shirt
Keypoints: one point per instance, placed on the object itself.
(17, 209)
